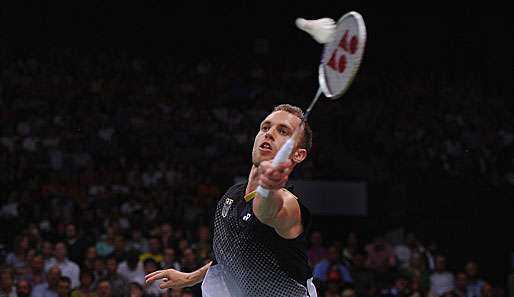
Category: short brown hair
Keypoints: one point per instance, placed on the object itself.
(306, 140)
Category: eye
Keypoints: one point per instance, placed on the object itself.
(264, 128)
(284, 132)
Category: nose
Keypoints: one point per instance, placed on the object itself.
(269, 134)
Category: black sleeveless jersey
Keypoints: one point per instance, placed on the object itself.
(260, 262)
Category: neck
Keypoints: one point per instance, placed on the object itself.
(252, 180)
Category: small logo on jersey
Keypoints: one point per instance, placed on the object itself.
(247, 217)
(226, 207)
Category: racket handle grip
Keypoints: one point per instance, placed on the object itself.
(280, 157)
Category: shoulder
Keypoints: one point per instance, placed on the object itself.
(236, 190)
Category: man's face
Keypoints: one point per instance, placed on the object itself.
(112, 265)
(461, 281)
(37, 264)
(154, 246)
(60, 251)
(71, 231)
(440, 264)
(273, 133)
(53, 276)
(103, 289)
(23, 288)
(6, 281)
(63, 289)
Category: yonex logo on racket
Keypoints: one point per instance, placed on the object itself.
(349, 46)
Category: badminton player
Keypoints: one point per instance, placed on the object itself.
(259, 243)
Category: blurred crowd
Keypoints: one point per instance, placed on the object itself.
(111, 165)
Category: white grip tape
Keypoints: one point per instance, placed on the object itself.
(280, 157)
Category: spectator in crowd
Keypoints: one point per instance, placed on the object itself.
(132, 269)
(119, 248)
(475, 283)
(322, 269)
(462, 288)
(75, 244)
(103, 289)
(89, 258)
(170, 259)
(400, 287)
(137, 241)
(441, 281)
(67, 267)
(317, 251)
(23, 288)
(417, 270)
(36, 273)
(64, 287)
(351, 246)
(154, 251)
(7, 288)
(17, 258)
(189, 261)
(48, 288)
(363, 277)
(136, 290)
(86, 288)
(118, 283)
(100, 271)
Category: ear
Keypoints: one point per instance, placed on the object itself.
(299, 155)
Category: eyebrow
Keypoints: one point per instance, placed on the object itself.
(280, 125)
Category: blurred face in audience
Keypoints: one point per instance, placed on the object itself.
(316, 238)
(23, 288)
(37, 264)
(60, 251)
(461, 281)
(136, 291)
(64, 288)
(359, 260)
(86, 280)
(46, 249)
(6, 281)
(472, 269)
(169, 255)
(189, 257)
(440, 264)
(333, 254)
(154, 246)
(90, 253)
(71, 231)
(103, 289)
(112, 266)
(52, 276)
(150, 267)
(203, 233)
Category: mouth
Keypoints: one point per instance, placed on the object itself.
(265, 146)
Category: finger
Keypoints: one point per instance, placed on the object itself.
(152, 274)
(165, 284)
(155, 277)
(272, 184)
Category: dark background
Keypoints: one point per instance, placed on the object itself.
(451, 43)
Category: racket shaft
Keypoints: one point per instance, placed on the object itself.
(280, 157)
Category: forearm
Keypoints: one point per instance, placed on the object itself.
(198, 275)
(266, 209)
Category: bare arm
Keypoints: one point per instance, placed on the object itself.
(280, 210)
(172, 278)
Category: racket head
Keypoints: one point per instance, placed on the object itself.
(342, 56)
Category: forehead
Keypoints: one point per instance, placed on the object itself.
(282, 117)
